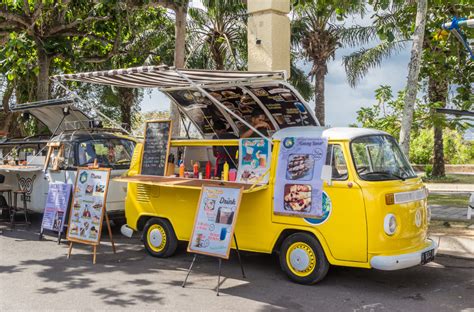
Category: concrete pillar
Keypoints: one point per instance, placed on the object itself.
(268, 35)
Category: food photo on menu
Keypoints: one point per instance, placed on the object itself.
(297, 197)
(300, 167)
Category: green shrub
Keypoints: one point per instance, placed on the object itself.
(428, 171)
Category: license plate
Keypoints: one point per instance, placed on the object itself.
(427, 256)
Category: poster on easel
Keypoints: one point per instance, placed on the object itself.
(215, 220)
(88, 206)
(254, 160)
(299, 187)
(57, 203)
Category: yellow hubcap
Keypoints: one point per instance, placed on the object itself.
(301, 259)
(156, 237)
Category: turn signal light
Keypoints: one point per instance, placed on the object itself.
(389, 199)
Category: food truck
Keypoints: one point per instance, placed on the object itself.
(370, 207)
(31, 164)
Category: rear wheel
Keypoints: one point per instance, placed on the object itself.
(303, 259)
(159, 238)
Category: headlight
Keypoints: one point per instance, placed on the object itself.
(390, 224)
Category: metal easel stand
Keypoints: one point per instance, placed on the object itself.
(220, 268)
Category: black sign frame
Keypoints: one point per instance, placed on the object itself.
(168, 144)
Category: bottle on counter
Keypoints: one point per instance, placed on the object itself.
(208, 170)
(196, 170)
(181, 170)
(226, 172)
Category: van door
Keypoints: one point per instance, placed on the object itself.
(346, 230)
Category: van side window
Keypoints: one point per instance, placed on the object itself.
(335, 158)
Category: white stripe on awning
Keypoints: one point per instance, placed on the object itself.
(164, 77)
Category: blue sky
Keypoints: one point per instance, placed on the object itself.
(342, 101)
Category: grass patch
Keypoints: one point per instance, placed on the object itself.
(452, 178)
(450, 200)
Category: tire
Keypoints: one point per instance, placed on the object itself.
(159, 238)
(302, 259)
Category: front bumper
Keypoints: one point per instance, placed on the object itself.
(397, 262)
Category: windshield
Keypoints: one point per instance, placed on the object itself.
(378, 158)
(110, 153)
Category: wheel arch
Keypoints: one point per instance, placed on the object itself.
(316, 234)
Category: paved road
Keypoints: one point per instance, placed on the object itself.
(37, 276)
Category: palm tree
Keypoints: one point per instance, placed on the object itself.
(217, 36)
(317, 36)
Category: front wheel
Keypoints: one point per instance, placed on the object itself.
(303, 259)
(159, 238)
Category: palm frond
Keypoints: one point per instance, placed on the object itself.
(357, 64)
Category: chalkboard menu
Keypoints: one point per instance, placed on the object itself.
(155, 148)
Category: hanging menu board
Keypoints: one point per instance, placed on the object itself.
(299, 188)
(155, 148)
(57, 203)
(88, 205)
(284, 106)
(215, 220)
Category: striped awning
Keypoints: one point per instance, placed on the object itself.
(164, 77)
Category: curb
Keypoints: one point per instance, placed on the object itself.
(457, 246)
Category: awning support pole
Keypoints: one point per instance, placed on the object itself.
(75, 95)
(219, 104)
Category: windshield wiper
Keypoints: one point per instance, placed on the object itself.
(385, 173)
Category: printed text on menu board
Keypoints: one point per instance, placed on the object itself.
(87, 211)
(215, 220)
(57, 203)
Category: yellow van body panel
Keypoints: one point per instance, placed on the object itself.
(351, 236)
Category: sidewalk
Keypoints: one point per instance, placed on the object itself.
(450, 187)
(455, 240)
(444, 213)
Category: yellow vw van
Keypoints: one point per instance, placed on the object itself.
(375, 208)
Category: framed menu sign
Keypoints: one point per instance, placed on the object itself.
(156, 147)
(88, 205)
(215, 220)
(57, 203)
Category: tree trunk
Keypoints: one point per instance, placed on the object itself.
(438, 94)
(413, 72)
(127, 99)
(44, 61)
(181, 12)
(319, 96)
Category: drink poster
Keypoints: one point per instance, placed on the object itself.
(254, 160)
(215, 221)
(156, 147)
(88, 205)
(298, 186)
(57, 203)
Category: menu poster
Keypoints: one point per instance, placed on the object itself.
(155, 148)
(215, 220)
(254, 160)
(57, 203)
(284, 106)
(298, 188)
(88, 205)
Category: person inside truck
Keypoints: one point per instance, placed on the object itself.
(258, 121)
(224, 154)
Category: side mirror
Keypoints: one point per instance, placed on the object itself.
(326, 174)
